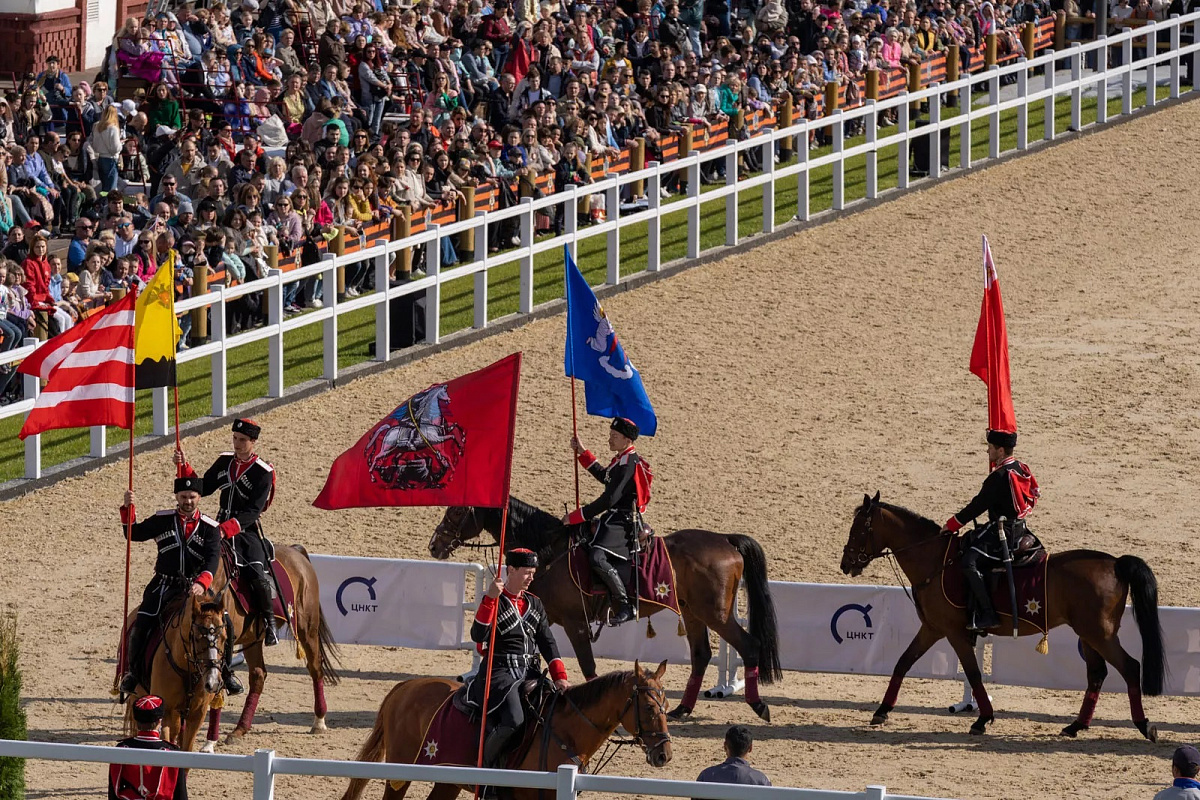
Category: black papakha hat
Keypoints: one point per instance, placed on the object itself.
(1002, 439)
(626, 427)
(247, 427)
(521, 558)
(188, 483)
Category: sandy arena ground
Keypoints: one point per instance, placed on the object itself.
(788, 381)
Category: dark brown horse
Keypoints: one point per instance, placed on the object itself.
(708, 568)
(580, 720)
(1085, 589)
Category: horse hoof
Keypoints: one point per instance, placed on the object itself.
(1073, 729)
(210, 746)
(1148, 730)
(881, 714)
(234, 735)
(679, 713)
(879, 719)
(318, 726)
(762, 710)
(980, 726)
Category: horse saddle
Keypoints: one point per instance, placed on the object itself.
(534, 693)
(1024, 547)
(283, 594)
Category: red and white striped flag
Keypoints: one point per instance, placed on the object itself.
(90, 373)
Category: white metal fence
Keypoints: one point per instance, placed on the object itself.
(566, 784)
(1028, 93)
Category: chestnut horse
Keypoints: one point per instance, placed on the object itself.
(186, 670)
(708, 568)
(1085, 589)
(580, 720)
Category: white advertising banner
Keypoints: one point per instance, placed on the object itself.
(392, 602)
(628, 642)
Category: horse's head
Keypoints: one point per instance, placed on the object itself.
(459, 524)
(646, 714)
(863, 546)
(206, 638)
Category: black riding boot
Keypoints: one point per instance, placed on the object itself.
(232, 684)
(983, 616)
(495, 746)
(262, 602)
(135, 654)
(622, 611)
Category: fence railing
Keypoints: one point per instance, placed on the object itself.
(566, 783)
(772, 183)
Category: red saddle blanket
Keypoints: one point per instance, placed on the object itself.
(284, 603)
(1029, 579)
(655, 580)
(452, 739)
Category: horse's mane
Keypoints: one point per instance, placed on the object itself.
(591, 692)
(909, 516)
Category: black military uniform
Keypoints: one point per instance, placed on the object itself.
(522, 632)
(1009, 491)
(626, 482)
(134, 782)
(247, 488)
(189, 551)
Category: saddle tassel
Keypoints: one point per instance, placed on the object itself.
(218, 701)
(1043, 646)
(650, 632)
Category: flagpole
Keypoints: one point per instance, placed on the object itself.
(487, 686)
(575, 433)
(571, 356)
(122, 661)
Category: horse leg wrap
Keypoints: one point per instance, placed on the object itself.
(893, 691)
(1135, 704)
(1088, 708)
(752, 685)
(247, 718)
(214, 724)
(319, 707)
(692, 692)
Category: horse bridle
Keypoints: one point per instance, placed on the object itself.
(457, 540)
(861, 556)
(661, 738)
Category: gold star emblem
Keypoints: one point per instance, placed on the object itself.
(1033, 607)
(431, 748)
(662, 589)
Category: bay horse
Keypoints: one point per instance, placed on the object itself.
(708, 568)
(186, 671)
(580, 721)
(1085, 589)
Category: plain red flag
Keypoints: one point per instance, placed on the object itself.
(449, 445)
(89, 373)
(989, 355)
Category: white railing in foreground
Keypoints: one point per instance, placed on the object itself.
(566, 783)
(612, 187)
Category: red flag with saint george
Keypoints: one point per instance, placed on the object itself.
(989, 355)
(449, 445)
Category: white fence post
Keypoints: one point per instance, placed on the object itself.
(612, 206)
(383, 311)
(994, 115)
(97, 442)
(902, 126)
(218, 364)
(654, 224)
(1127, 77)
(158, 401)
(964, 131)
(275, 342)
(1048, 125)
(872, 155)
(935, 137)
(802, 177)
(1023, 108)
(872, 792)
(264, 773)
(525, 299)
(839, 166)
(571, 221)
(1077, 88)
(33, 444)
(567, 773)
(1102, 81)
(433, 295)
(768, 196)
(693, 214)
(329, 328)
(1174, 56)
(731, 199)
(481, 288)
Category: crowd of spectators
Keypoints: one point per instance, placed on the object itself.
(274, 122)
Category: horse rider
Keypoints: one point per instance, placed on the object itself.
(626, 493)
(1009, 491)
(247, 486)
(189, 552)
(522, 632)
(138, 782)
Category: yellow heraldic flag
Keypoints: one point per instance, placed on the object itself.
(156, 330)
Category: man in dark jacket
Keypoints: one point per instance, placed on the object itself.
(735, 768)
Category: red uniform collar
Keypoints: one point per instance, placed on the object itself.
(1009, 460)
(623, 453)
(193, 517)
(149, 736)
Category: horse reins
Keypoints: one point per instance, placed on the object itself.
(662, 737)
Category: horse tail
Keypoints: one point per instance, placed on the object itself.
(1144, 591)
(328, 651)
(763, 624)
(372, 750)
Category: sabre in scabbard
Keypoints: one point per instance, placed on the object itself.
(1008, 570)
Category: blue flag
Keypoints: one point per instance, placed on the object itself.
(611, 385)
